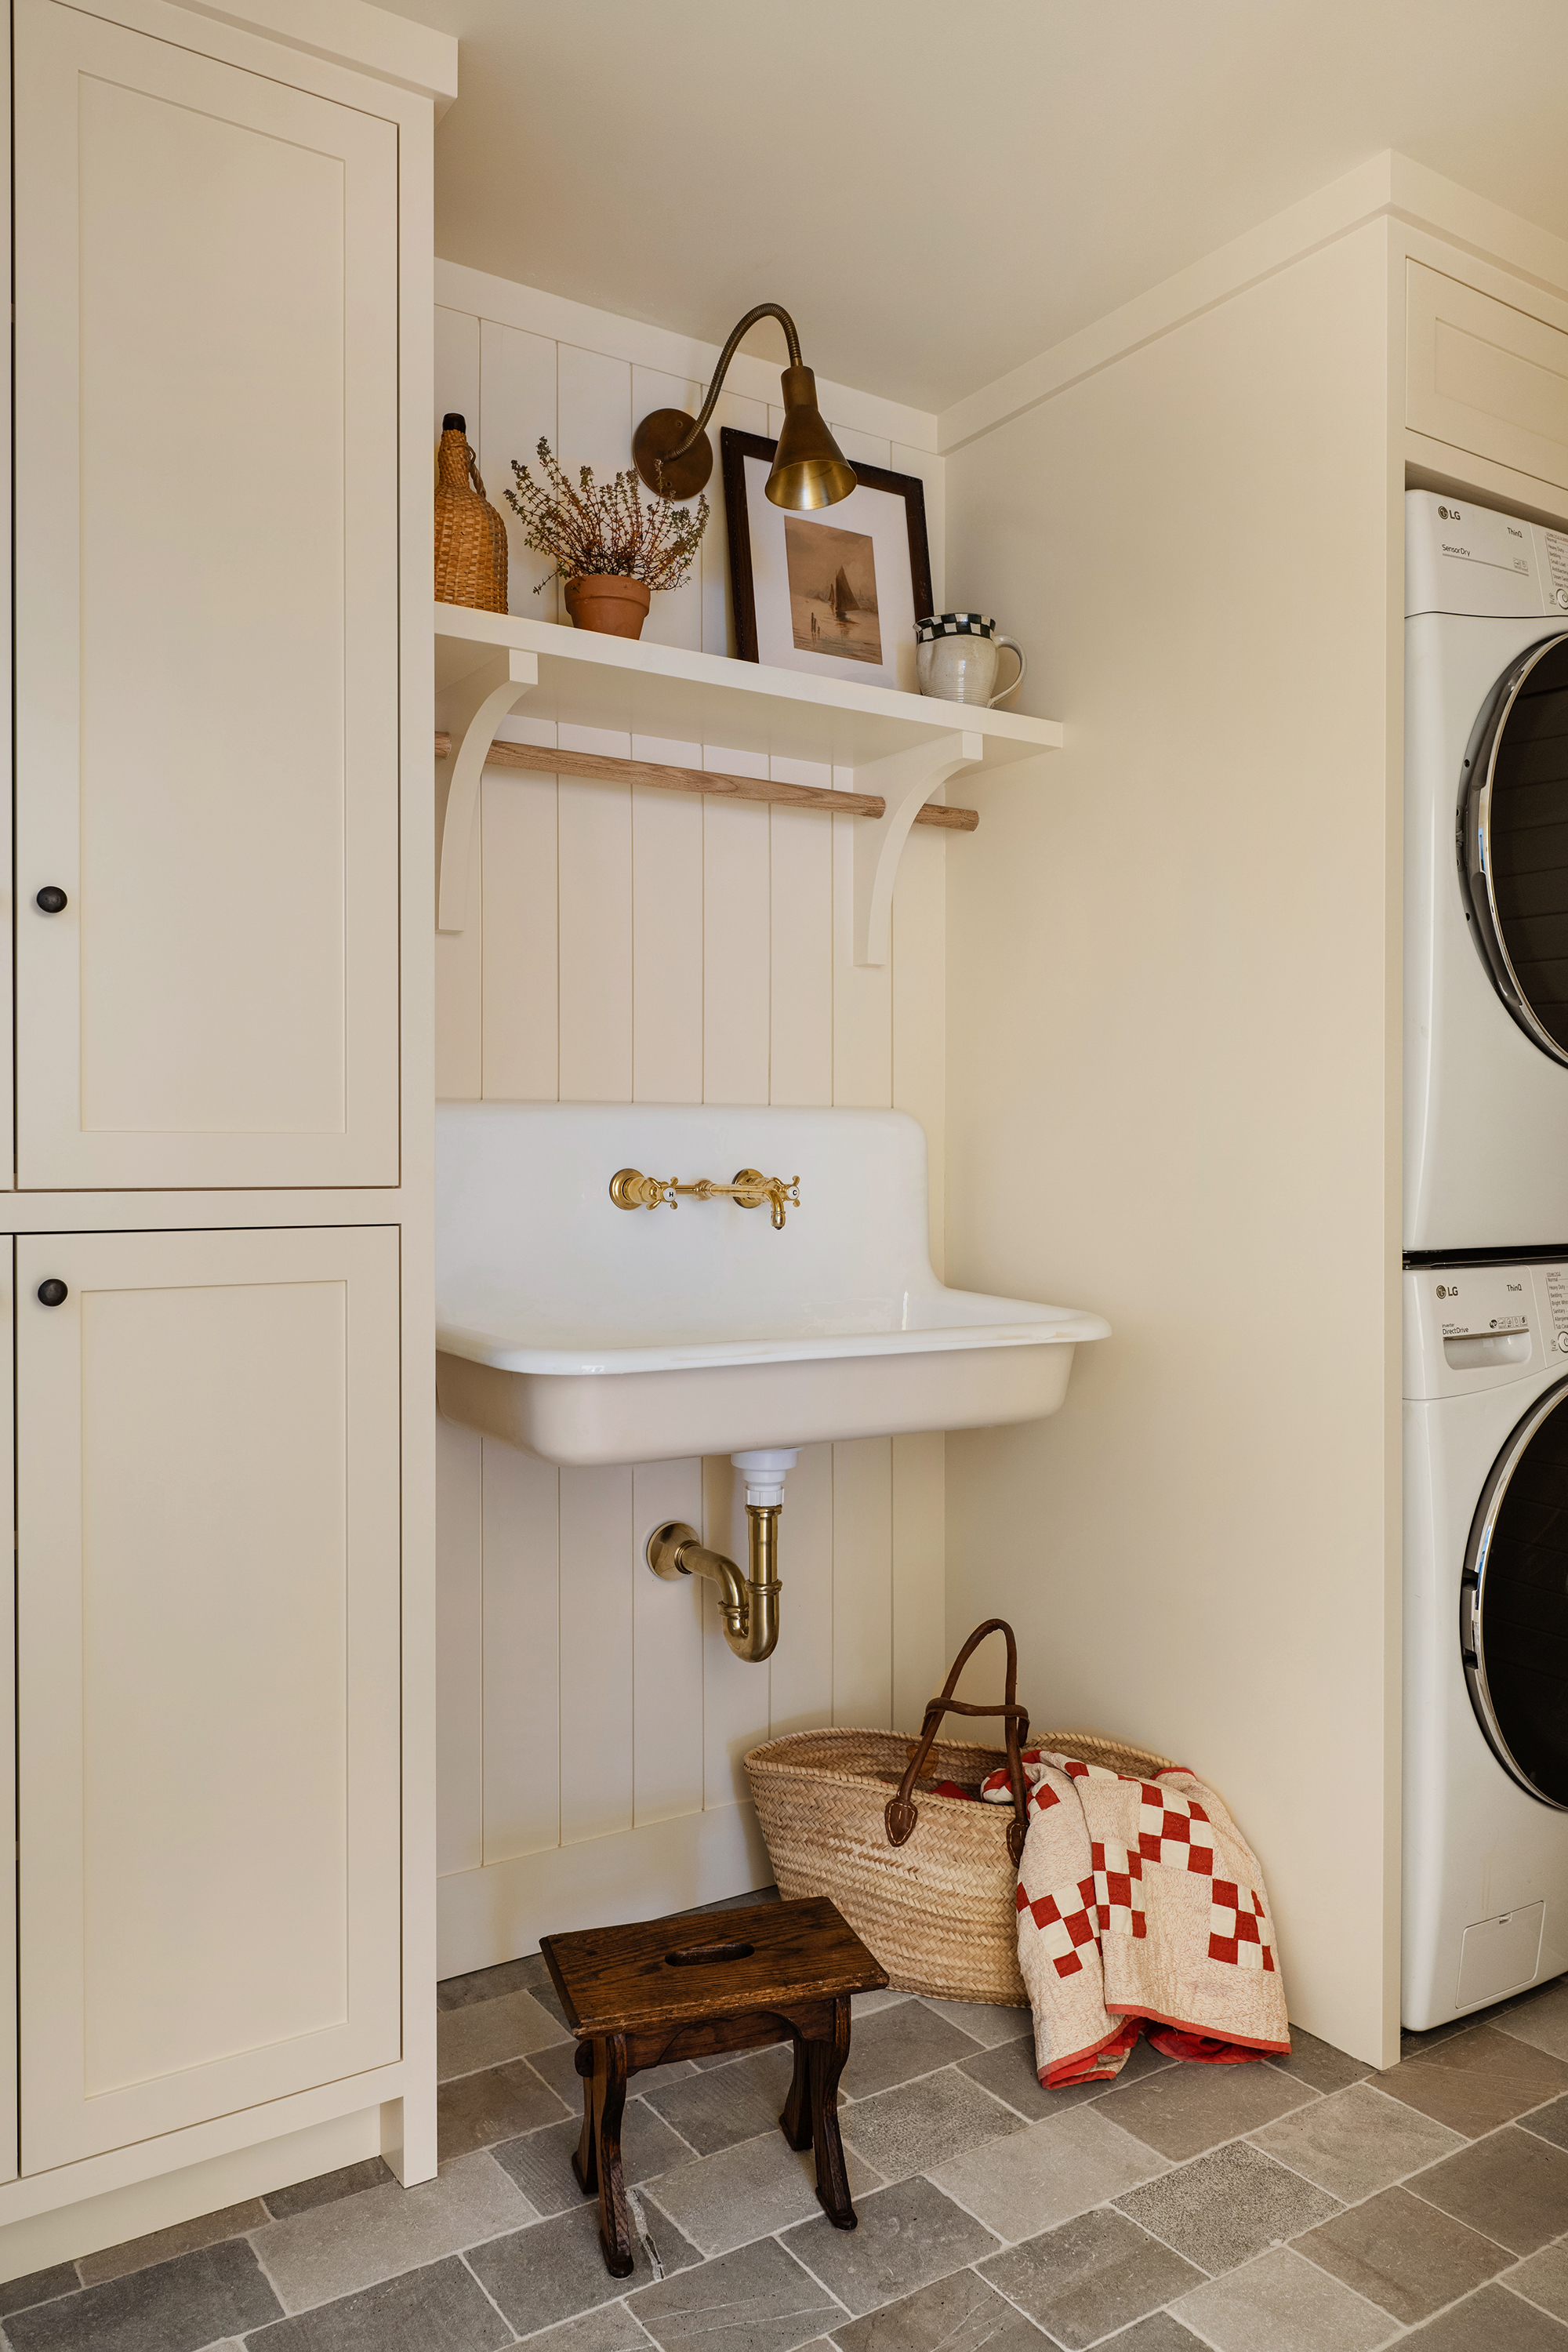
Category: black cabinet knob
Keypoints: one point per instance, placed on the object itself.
(51, 899)
(53, 1293)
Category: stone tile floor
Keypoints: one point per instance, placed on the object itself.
(1279, 2207)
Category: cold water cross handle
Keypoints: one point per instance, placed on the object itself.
(749, 1189)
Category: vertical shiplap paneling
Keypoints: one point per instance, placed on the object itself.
(675, 617)
(920, 1007)
(459, 1648)
(521, 1652)
(862, 994)
(800, 879)
(667, 1719)
(736, 920)
(519, 958)
(743, 416)
(593, 409)
(919, 1554)
(863, 1582)
(458, 374)
(736, 1696)
(801, 1668)
(518, 407)
(667, 932)
(596, 1675)
(594, 827)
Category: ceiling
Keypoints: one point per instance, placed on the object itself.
(939, 189)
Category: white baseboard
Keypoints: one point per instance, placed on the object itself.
(140, 2207)
(496, 1914)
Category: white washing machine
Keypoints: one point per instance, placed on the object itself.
(1486, 881)
(1486, 1633)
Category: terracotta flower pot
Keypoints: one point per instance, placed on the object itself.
(601, 601)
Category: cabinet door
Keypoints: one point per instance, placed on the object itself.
(1485, 377)
(206, 650)
(208, 1711)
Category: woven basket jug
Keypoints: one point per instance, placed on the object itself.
(470, 537)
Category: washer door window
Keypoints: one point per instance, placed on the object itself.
(1513, 1602)
(1513, 842)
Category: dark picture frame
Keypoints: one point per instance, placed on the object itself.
(735, 448)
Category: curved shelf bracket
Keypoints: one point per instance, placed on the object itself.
(906, 781)
(470, 710)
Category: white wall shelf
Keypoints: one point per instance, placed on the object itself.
(902, 746)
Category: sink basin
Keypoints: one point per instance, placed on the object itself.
(587, 1333)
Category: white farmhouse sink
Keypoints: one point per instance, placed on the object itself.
(588, 1333)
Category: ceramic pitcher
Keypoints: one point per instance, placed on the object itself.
(957, 655)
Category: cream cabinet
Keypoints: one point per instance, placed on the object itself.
(208, 1718)
(207, 739)
(1485, 377)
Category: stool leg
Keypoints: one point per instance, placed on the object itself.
(827, 2059)
(794, 2121)
(609, 2100)
(585, 2156)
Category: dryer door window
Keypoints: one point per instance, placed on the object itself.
(1513, 1604)
(1513, 842)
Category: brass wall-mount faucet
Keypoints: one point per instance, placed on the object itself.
(748, 1190)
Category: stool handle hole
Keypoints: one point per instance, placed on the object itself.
(698, 1956)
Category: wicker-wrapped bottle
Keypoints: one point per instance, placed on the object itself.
(470, 537)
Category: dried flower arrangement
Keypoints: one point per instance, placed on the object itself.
(603, 528)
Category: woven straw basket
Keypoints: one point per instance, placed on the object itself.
(471, 536)
(927, 1883)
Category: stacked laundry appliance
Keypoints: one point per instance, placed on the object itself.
(1485, 1257)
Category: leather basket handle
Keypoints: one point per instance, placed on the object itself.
(901, 1812)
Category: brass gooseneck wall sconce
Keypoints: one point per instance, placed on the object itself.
(674, 456)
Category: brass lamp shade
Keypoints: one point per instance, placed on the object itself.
(809, 469)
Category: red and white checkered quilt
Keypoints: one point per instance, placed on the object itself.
(1140, 1906)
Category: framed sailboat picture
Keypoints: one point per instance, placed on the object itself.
(836, 590)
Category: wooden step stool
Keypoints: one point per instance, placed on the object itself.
(664, 1989)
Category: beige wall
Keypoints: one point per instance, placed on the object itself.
(641, 947)
(1172, 1050)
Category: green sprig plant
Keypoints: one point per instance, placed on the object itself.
(604, 527)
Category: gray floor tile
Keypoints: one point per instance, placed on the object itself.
(1542, 2019)
(908, 2234)
(1512, 2186)
(37, 2286)
(176, 2307)
(1009, 2072)
(1093, 2274)
(610, 2329)
(1281, 2304)
(557, 2065)
(861, 2004)
(541, 2162)
(1543, 2279)
(755, 2300)
(529, 1974)
(1224, 2207)
(1477, 2080)
(490, 2031)
(1048, 2172)
(1356, 2141)
(371, 2172)
(749, 2191)
(985, 2021)
(956, 2313)
(1491, 2321)
(1162, 2333)
(335, 2250)
(893, 2045)
(438, 2307)
(481, 2109)
(922, 2124)
(556, 2269)
(1549, 2122)
(1404, 2254)
(1183, 2109)
(164, 2245)
(721, 2108)
(1319, 2064)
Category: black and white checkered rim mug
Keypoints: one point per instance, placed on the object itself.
(953, 624)
(959, 684)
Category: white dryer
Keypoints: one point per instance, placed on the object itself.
(1486, 1633)
(1486, 880)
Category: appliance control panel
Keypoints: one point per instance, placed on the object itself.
(1479, 1326)
(1464, 558)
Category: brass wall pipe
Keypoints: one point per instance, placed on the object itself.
(748, 1604)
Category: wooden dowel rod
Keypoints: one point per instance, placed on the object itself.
(603, 770)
